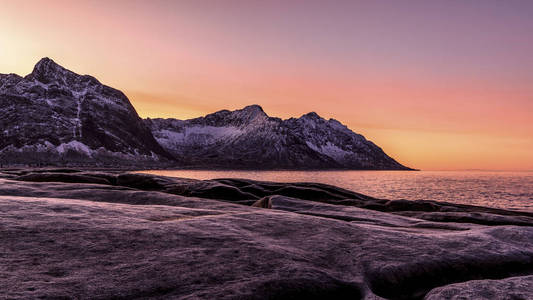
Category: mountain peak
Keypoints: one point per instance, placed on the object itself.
(46, 64)
(45, 60)
(72, 112)
(311, 115)
(252, 111)
(253, 108)
(46, 69)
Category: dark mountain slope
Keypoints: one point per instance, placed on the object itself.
(249, 138)
(55, 116)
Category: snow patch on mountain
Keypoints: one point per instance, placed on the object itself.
(74, 145)
(330, 150)
(249, 138)
(195, 135)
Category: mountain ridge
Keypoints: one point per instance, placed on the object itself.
(54, 116)
(223, 139)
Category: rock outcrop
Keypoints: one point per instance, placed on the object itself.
(101, 235)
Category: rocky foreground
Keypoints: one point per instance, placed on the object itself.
(101, 235)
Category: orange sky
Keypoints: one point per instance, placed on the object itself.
(440, 85)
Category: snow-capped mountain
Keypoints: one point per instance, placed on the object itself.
(249, 138)
(55, 116)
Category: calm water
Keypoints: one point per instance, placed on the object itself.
(510, 190)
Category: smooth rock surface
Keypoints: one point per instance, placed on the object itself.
(126, 236)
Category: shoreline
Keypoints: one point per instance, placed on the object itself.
(194, 168)
(153, 172)
(93, 234)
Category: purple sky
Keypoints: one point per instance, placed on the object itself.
(438, 84)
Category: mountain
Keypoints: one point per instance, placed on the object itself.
(55, 116)
(248, 138)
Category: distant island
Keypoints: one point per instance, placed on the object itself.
(56, 117)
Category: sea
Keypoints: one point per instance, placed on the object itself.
(507, 190)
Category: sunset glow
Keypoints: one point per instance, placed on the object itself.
(438, 87)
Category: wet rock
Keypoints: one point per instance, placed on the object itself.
(59, 177)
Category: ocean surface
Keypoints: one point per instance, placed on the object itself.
(508, 190)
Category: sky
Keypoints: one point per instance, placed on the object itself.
(439, 85)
